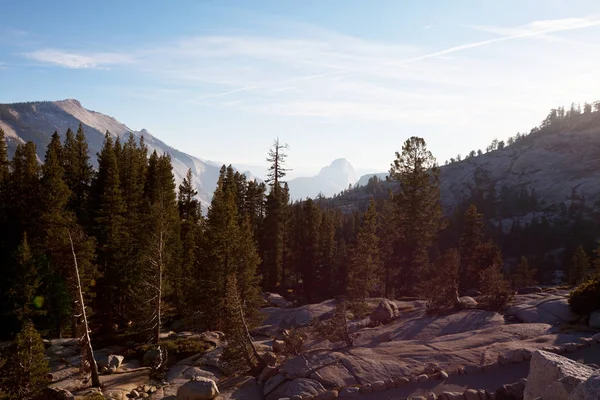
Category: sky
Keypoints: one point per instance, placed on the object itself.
(333, 79)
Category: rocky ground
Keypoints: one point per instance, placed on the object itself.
(411, 355)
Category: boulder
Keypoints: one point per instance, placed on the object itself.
(198, 389)
(278, 346)
(276, 300)
(549, 368)
(422, 378)
(467, 302)
(594, 321)
(386, 311)
(451, 396)
(530, 290)
(511, 391)
(348, 392)
(471, 394)
(50, 393)
(268, 372)
(115, 361)
(273, 383)
(270, 358)
(379, 386)
(328, 395)
(515, 356)
(298, 387)
(587, 390)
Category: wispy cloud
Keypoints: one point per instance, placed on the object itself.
(78, 60)
(329, 75)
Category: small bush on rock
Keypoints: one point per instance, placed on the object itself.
(495, 288)
(586, 297)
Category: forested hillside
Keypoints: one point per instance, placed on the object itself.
(147, 254)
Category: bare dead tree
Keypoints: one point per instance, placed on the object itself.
(88, 362)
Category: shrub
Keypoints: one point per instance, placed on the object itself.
(94, 396)
(586, 297)
(336, 328)
(495, 288)
(25, 371)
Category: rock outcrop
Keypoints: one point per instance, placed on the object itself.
(386, 311)
(198, 389)
(553, 377)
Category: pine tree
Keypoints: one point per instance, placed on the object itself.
(190, 217)
(580, 266)
(78, 173)
(418, 210)
(309, 248)
(443, 284)
(273, 228)
(26, 370)
(24, 190)
(524, 276)
(241, 353)
(470, 241)
(109, 209)
(56, 221)
(365, 263)
(23, 288)
(229, 248)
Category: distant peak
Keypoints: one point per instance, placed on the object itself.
(340, 162)
(74, 102)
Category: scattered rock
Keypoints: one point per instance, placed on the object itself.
(442, 375)
(587, 341)
(511, 391)
(328, 395)
(471, 394)
(298, 387)
(350, 391)
(276, 300)
(270, 358)
(422, 378)
(514, 356)
(386, 311)
(198, 389)
(569, 347)
(390, 384)
(401, 381)
(467, 302)
(451, 396)
(278, 346)
(268, 372)
(366, 389)
(379, 386)
(115, 361)
(134, 394)
(432, 396)
(547, 369)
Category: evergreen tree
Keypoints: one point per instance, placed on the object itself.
(419, 213)
(580, 266)
(325, 272)
(24, 287)
(524, 276)
(442, 286)
(309, 248)
(470, 242)
(190, 217)
(273, 228)
(78, 173)
(365, 263)
(24, 190)
(229, 248)
(109, 209)
(25, 373)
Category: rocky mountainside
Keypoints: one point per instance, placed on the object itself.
(331, 180)
(557, 164)
(36, 121)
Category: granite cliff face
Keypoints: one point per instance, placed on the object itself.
(36, 121)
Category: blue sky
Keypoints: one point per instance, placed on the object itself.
(336, 78)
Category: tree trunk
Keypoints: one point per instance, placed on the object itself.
(159, 294)
(87, 343)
